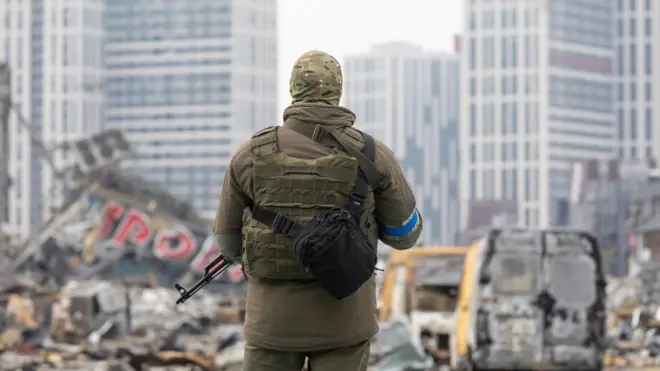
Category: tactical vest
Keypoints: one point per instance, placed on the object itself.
(299, 189)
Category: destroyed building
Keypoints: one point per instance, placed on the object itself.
(613, 199)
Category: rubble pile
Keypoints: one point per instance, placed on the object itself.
(634, 319)
(102, 325)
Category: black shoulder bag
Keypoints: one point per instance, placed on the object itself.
(332, 247)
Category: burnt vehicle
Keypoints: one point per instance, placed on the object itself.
(532, 300)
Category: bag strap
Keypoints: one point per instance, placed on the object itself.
(283, 225)
(361, 189)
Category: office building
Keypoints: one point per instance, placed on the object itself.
(5, 106)
(638, 50)
(537, 95)
(188, 81)
(409, 99)
(52, 48)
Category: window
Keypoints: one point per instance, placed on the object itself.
(648, 59)
(515, 274)
(473, 53)
(488, 182)
(633, 60)
(488, 58)
(514, 118)
(633, 27)
(531, 55)
(504, 52)
(565, 270)
(473, 119)
(528, 190)
(487, 19)
(648, 134)
(620, 59)
(514, 51)
(504, 112)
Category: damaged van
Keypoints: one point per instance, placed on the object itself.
(421, 285)
(531, 300)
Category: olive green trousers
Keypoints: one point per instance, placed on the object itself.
(353, 358)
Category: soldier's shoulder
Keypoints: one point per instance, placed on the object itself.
(242, 158)
(385, 159)
(265, 131)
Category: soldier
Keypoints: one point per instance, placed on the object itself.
(289, 316)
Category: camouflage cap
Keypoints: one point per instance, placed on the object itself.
(316, 77)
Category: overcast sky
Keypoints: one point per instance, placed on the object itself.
(342, 27)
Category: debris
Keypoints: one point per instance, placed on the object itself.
(99, 294)
(634, 319)
(394, 349)
(113, 326)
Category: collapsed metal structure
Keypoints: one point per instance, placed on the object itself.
(93, 287)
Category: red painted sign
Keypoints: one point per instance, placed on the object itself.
(128, 227)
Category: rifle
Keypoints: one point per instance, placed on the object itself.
(211, 271)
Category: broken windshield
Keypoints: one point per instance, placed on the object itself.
(439, 270)
(573, 280)
(515, 274)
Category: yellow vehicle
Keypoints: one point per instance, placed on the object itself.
(531, 300)
(421, 284)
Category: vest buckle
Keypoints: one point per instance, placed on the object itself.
(319, 133)
(357, 199)
(283, 225)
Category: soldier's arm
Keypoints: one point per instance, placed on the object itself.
(400, 223)
(233, 200)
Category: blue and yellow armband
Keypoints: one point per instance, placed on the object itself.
(407, 229)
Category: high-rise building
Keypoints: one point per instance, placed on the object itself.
(52, 48)
(537, 95)
(637, 80)
(5, 106)
(188, 81)
(409, 99)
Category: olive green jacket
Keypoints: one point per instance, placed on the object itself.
(300, 315)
